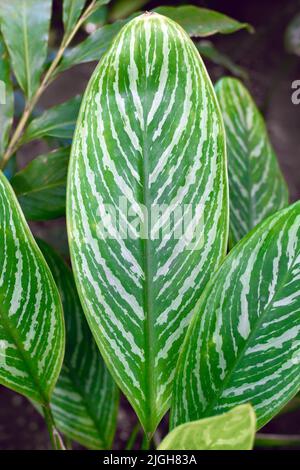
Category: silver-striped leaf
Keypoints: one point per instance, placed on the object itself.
(243, 345)
(234, 430)
(31, 321)
(257, 188)
(85, 400)
(25, 28)
(149, 132)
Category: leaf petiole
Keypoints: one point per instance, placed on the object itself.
(55, 438)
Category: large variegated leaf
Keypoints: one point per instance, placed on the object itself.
(234, 430)
(243, 345)
(31, 322)
(149, 136)
(25, 25)
(85, 399)
(6, 99)
(256, 185)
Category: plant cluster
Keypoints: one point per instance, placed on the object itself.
(211, 330)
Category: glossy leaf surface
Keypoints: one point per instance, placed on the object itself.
(149, 134)
(234, 430)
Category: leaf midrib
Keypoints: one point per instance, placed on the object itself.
(41, 189)
(148, 291)
(26, 50)
(40, 132)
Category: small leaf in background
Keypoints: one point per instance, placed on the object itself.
(256, 185)
(58, 121)
(200, 22)
(31, 319)
(41, 185)
(71, 12)
(122, 8)
(85, 400)
(209, 51)
(91, 48)
(243, 345)
(25, 28)
(147, 142)
(234, 430)
(6, 99)
(292, 36)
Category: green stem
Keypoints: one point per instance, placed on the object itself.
(132, 437)
(276, 440)
(146, 442)
(68, 442)
(55, 438)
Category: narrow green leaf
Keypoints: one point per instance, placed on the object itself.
(71, 12)
(209, 51)
(25, 27)
(149, 135)
(91, 48)
(41, 186)
(234, 430)
(6, 99)
(58, 121)
(85, 399)
(243, 345)
(256, 185)
(292, 36)
(31, 321)
(122, 8)
(201, 22)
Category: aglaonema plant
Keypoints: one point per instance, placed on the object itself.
(157, 311)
